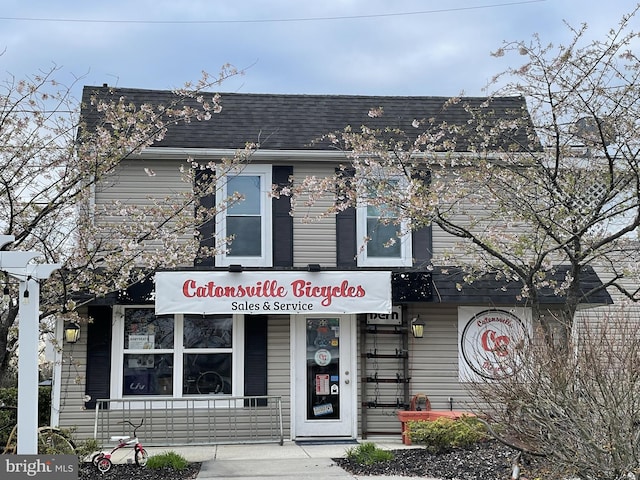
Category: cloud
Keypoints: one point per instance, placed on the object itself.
(438, 53)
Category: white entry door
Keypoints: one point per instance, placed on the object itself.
(324, 385)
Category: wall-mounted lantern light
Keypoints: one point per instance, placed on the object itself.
(417, 327)
(72, 332)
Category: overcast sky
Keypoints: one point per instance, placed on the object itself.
(369, 47)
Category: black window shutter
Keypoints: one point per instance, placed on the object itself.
(346, 243)
(255, 356)
(422, 246)
(207, 229)
(346, 238)
(421, 238)
(98, 376)
(282, 220)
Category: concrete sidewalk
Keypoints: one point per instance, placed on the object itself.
(290, 461)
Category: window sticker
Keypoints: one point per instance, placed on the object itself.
(143, 342)
(323, 357)
(322, 384)
(324, 409)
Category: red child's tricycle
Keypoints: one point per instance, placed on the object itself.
(102, 460)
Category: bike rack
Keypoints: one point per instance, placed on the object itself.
(197, 420)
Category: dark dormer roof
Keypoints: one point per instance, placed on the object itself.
(294, 122)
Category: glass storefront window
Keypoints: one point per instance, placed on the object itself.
(207, 374)
(148, 353)
(148, 374)
(209, 331)
(203, 358)
(207, 360)
(143, 330)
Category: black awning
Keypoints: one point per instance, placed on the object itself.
(411, 287)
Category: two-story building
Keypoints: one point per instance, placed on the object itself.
(343, 332)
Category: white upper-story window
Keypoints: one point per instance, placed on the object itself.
(385, 238)
(246, 220)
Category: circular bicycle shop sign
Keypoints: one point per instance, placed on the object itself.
(489, 343)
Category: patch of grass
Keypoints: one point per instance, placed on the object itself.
(171, 460)
(367, 454)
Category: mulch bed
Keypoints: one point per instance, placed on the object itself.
(128, 471)
(484, 461)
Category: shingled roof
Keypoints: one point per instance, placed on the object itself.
(449, 286)
(294, 122)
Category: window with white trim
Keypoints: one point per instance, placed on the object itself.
(386, 239)
(176, 355)
(246, 220)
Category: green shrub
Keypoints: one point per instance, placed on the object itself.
(444, 434)
(44, 406)
(168, 460)
(85, 448)
(9, 397)
(367, 454)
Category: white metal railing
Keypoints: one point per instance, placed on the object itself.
(201, 420)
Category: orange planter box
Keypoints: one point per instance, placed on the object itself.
(428, 415)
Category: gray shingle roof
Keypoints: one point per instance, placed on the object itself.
(449, 287)
(293, 122)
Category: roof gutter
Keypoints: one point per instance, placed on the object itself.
(173, 153)
(212, 154)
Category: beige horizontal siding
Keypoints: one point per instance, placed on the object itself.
(138, 180)
(465, 213)
(73, 414)
(314, 240)
(154, 185)
(279, 364)
(433, 360)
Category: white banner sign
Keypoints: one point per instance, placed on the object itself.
(273, 292)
